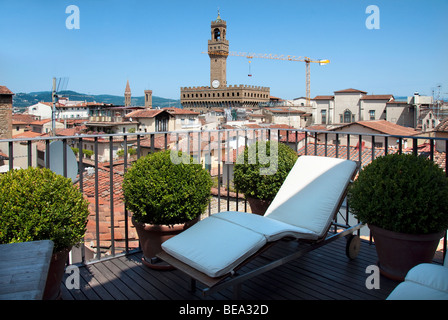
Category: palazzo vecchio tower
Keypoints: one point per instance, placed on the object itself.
(219, 94)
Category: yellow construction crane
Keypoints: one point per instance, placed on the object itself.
(307, 61)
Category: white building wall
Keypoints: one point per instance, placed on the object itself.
(378, 106)
(73, 113)
(40, 110)
(346, 101)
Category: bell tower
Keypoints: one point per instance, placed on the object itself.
(127, 95)
(218, 50)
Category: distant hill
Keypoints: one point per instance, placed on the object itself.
(23, 100)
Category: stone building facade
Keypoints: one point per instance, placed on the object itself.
(5, 113)
(219, 93)
(348, 106)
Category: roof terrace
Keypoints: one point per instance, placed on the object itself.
(110, 259)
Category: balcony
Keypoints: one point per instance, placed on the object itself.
(110, 259)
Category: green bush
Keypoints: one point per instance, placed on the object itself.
(38, 204)
(131, 151)
(401, 193)
(249, 177)
(87, 153)
(161, 192)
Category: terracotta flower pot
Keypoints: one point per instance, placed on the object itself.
(55, 273)
(258, 206)
(151, 238)
(399, 252)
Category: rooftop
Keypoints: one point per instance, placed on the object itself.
(5, 90)
(382, 126)
(350, 90)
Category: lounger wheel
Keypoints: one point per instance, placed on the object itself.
(352, 247)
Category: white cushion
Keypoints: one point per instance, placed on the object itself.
(425, 281)
(272, 229)
(311, 193)
(214, 246)
(409, 290)
(430, 275)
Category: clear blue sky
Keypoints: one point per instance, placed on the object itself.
(157, 45)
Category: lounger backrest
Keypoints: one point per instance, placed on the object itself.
(312, 192)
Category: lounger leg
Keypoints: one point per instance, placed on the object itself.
(192, 285)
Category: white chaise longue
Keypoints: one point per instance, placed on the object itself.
(212, 250)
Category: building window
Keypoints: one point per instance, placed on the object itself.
(378, 144)
(162, 125)
(323, 114)
(372, 114)
(347, 116)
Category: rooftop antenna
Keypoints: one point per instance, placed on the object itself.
(61, 86)
(57, 151)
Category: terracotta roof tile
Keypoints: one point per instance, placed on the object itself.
(5, 90)
(329, 150)
(387, 97)
(323, 98)
(442, 126)
(22, 118)
(27, 134)
(146, 113)
(393, 101)
(383, 126)
(350, 90)
(181, 111)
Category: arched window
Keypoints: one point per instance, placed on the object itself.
(217, 34)
(347, 116)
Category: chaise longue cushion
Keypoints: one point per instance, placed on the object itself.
(309, 197)
(425, 281)
(303, 208)
(214, 246)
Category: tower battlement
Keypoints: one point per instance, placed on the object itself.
(240, 86)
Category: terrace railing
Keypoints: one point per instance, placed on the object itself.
(110, 232)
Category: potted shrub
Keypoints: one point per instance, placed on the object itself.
(404, 200)
(165, 199)
(38, 204)
(261, 170)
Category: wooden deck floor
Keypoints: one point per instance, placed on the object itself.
(323, 274)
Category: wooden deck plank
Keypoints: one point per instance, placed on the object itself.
(322, 274)
(101, 274)
(148, 281)
(159, 280)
